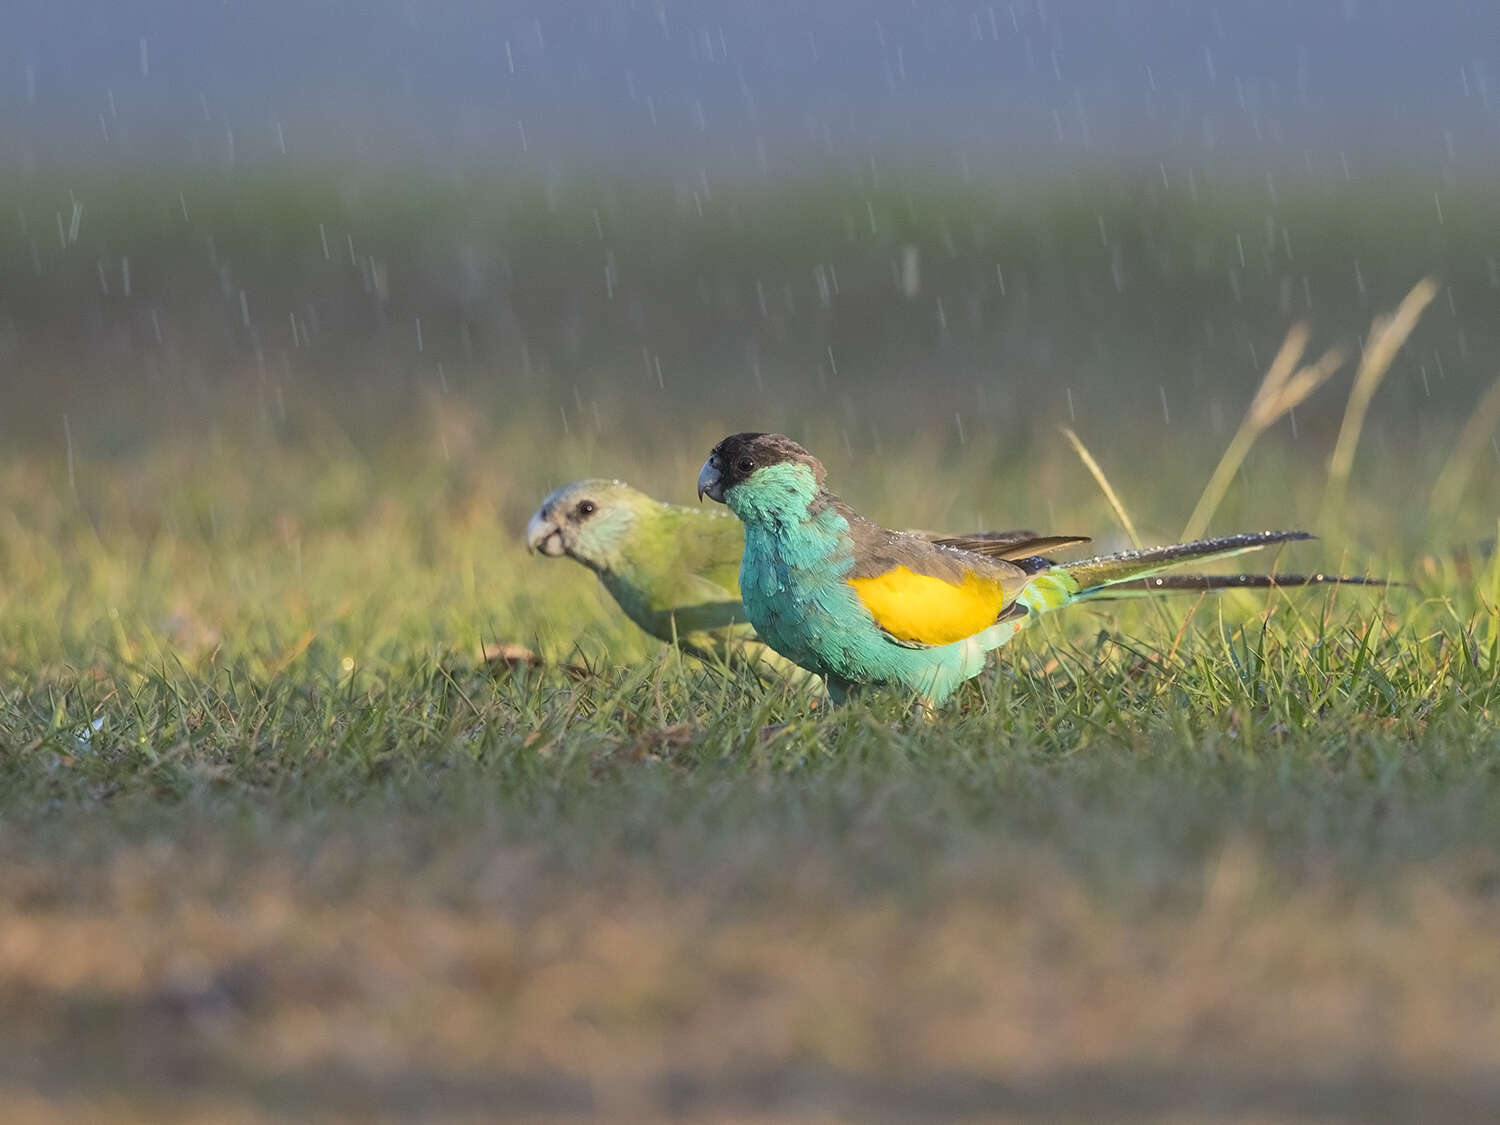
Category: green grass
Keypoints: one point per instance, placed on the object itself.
(276, 838)
(271, 820)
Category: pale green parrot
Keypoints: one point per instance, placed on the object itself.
(673, 570)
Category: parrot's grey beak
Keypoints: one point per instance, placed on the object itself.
(708, 481)
(543, 536)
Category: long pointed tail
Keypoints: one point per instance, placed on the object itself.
(1138, 573)
(1210, 583)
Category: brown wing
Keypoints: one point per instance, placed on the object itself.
(1008, 544)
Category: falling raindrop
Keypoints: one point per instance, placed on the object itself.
(68, 444)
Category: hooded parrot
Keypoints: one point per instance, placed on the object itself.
(675, 570)
(858, 604)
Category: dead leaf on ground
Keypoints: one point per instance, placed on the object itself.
(663, 738)
(507, 654)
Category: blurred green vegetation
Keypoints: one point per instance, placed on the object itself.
(885, 300)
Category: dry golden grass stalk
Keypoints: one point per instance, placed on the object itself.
(1109, 493)
(1449, 488)
(1387, 334)
(1285, 387)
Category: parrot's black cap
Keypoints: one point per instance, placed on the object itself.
(735, 458)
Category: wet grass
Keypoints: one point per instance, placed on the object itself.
(281, 834)
(278, 838)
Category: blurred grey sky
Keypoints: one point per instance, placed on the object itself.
(751, 85)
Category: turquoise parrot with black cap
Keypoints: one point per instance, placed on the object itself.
(675, 570)
(859, 604)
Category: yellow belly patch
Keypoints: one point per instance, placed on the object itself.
(925, 610)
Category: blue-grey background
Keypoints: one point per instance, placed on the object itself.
(738, 88)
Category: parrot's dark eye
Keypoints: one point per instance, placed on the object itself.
(744, 464)
(586, 508)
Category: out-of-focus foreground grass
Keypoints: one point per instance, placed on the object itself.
(277, 839)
